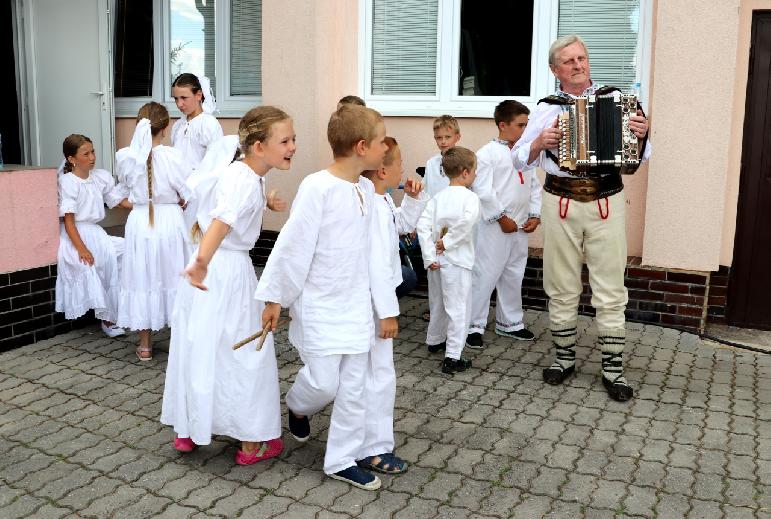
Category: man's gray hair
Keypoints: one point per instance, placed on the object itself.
(561, 43)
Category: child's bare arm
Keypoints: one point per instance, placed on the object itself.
(197, 269)
(72, 231)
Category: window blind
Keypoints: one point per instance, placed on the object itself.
(404, 47)
(610, 30)
(246, 47)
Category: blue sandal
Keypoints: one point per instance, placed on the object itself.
(389, 463)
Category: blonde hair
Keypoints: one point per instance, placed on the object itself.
(70, 147)
(456, 160)
(447, 121)
(256, 124)
(158, 116)
(350, 124)
(561, 43)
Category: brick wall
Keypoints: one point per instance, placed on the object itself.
(718, 288)
(27, 308)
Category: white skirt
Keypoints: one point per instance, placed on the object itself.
(211, 389)
(80, 287)
(152, 266)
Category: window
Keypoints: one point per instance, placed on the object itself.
(221, 39)
(426, 57)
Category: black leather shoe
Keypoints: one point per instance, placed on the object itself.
(556, 376)
(433, 348)
(451, 366)
(618, 391)
(474, 341)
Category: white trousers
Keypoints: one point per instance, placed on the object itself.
(500, 263)
(380, 396)
(595, 231)
(338, 378)
(449, 301)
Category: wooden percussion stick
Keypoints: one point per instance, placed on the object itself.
(261, 335)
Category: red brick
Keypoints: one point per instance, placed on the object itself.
(642, 284)
(681, 320)
(638, 272)
(685, 277)
(666, 286)
(717, 291)
(720, 281)
(716, 300)
(694, 311)
(698, 290)
(645, 295)
(682, 298)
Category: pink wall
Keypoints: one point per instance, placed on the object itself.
(29, 232)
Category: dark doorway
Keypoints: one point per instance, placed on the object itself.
(9, 122)
(749, 287)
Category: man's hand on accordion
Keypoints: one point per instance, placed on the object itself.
(547, 140)
(639, 125)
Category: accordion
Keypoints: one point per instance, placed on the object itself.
(596, 137)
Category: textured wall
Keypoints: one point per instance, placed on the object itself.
(29, 223)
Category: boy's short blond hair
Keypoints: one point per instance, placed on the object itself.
(457, 159)
(350, 124)
(389, 157)
(447, 121)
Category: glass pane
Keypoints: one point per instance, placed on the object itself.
(192, 39)
(134, 48)
(404, 39)
(246, 47)
(496, 40)
(609, 28)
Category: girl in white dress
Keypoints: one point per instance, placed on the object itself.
(88, 259)
(211, 388)
(153, 178)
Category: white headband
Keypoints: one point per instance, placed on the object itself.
(209, 105)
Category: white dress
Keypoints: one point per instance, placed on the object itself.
(211, 389)
(155, 256)
(80, 287)
(194, 137)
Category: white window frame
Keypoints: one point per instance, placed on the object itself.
(227, 105)
(447, 100)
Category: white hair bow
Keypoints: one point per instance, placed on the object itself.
(209, 105)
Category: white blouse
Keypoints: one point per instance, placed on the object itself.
(168, 176)
(194, 137)
(86, 198)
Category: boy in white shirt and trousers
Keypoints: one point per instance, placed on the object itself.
(377, 452)
(446, 234)
(322, 268)
(511, 209)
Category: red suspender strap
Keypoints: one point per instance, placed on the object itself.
(607, 209)
(521, 178)
(564, 212)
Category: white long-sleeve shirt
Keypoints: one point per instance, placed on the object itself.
(541, 118)
(322, 267)
(458, 209)
(389, 222)
(194, 137)
(502, 189)
(434, 179)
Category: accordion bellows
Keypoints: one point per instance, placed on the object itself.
(596, 134)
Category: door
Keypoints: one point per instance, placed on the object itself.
(67, 56)
(749, 287)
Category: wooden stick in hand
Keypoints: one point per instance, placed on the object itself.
(261, 335)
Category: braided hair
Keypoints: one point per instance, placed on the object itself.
(158, 116)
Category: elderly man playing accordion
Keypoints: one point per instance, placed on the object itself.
(583, 218)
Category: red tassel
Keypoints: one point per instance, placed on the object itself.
(607, 209)
(564, 213)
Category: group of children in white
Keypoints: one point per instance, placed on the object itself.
(197, 208)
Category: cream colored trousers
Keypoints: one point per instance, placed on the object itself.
(591, 231)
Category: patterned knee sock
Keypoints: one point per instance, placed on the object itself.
(612, 346)
(564, 338)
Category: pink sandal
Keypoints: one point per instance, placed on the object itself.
(268, 449)
(184, 444)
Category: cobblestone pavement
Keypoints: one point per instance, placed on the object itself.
(80, 437)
